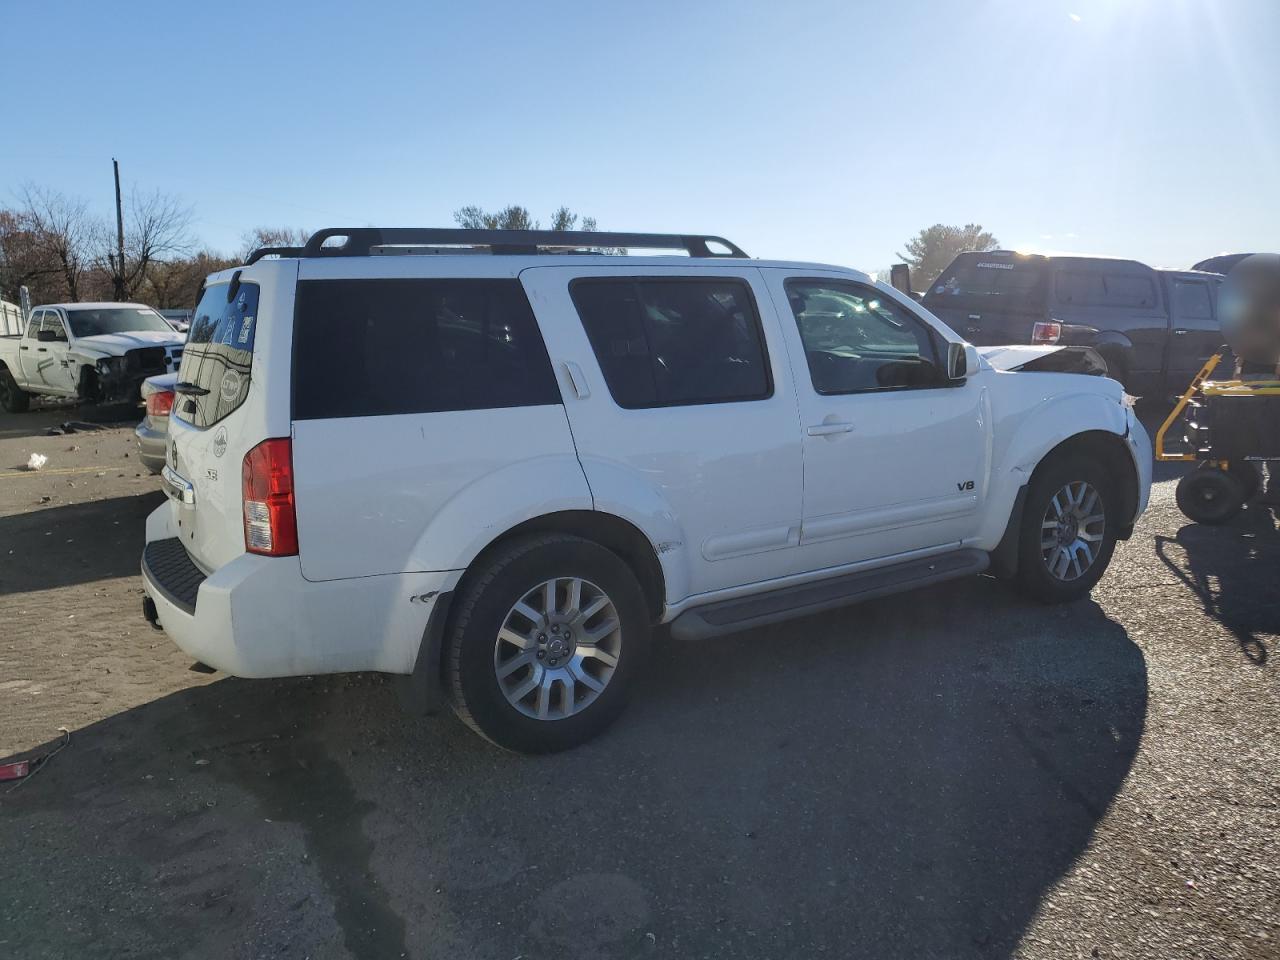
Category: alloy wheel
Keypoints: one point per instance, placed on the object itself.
(1073, 530)
(558, 648)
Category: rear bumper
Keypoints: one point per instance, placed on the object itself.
(259, 617)
(151, 446)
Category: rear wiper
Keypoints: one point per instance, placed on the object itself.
(190, 389)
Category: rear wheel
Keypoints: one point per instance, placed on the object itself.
(547, 642)
(1069, 526)
(12, 397)
(1209, 495)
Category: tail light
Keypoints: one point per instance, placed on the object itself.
(1046, 332)
(160, 403)
(270, 522)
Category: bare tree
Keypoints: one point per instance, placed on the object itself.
(272, 237)
(516, 217)
(46, 242)
(157, 228)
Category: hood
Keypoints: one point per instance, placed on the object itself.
(117, 344)
(1012, 357)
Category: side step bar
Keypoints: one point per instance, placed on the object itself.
(742, 613)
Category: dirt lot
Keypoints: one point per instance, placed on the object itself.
(954, 774)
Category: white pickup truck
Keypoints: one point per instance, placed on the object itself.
(92, 351)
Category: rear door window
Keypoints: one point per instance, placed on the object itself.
(367, 348)
(1191, 300)
(1104, 288)
(218, 357)
(674, 341)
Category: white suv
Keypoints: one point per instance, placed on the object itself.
(495, 474)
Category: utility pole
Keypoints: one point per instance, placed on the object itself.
(119, 278)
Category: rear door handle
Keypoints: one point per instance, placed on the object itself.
(24, 347)
(1181, 333)
(42, 349)
(828, 428)
(578, 379)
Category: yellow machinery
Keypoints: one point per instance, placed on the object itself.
(1228, 425)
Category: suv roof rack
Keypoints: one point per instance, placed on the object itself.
(366, 241)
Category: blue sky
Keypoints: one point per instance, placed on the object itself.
(815, 130)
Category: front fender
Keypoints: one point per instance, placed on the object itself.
(1034, 413)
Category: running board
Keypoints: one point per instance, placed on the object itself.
(742, 613)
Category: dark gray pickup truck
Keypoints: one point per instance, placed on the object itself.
(1155, 328)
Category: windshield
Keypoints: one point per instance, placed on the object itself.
(95, 322)
(992, 280)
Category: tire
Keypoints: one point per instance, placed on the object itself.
(1061, 563)
(1209, 495)
(12, 397)
(502, 667)
(1245, 474)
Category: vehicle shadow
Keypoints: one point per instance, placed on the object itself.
(73, 543)
(1232, 570)
(46, 414)
(904, 779)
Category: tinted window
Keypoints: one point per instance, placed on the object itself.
(856, 339)
(987, 280)
(678, 341)
(218, 357)
(1191, 300)
(365, 348)
(1103, 288)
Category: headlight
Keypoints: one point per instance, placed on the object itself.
(108, 364)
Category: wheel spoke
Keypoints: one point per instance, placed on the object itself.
(526, 611)
(594, 607)
(549, 597)
(566, 681)
(514, 664)
(544, 696)
(519, 693)
(601, 654)
(574, 600)
(585, 678)
(515, 638)
(600, 631)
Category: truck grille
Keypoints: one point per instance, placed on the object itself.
(146, 361)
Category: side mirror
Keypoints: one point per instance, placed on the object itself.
(957, 362)
(46, 336)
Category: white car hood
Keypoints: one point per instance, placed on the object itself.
(1013, 356)
(116, 344)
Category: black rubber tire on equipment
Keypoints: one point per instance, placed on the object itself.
(12, 397)
(482, 605)
(1033, 578)
(1209, 496)
(1245, 474)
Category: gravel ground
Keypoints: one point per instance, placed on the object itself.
(956, 773)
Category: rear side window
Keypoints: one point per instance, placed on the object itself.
(985, 280)
(1191, 300)
(367, 348)
(673, 342)
(218, 357)
(1104, 289)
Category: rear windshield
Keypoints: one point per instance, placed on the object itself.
(218, 357)
(982, 279)
(97, 321)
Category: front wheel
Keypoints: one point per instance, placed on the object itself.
(546, 644)
(12, 397)
(1068, 534)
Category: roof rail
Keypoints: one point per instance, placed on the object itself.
(272, 252)
(364, 241)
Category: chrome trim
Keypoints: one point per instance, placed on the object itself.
(177, 487)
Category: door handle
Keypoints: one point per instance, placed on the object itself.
(24, 347)
(829, 428)
(1181, 333)
(42, 349)
(578, 379)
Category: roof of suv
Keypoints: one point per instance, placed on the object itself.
(93, 305)
(520, 249)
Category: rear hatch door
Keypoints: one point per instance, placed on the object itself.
(224, 405)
